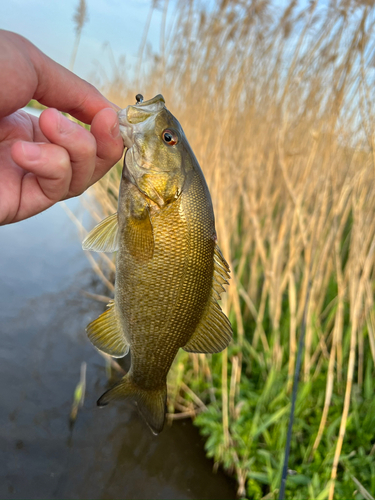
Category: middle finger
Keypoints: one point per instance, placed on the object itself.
(78, 142)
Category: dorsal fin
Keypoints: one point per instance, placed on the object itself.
(214, 331)
(106, 335)
(104, 236)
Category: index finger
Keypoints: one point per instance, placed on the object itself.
(30, 74)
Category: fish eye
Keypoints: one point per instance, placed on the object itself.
(170, 137)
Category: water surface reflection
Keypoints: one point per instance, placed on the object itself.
(111, 453)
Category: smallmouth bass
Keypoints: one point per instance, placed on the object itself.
(169, 269)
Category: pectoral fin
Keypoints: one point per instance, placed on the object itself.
(214, 331)
(106, 334)
(139, 238)
(104, 236)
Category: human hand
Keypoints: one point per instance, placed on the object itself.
(45, 160)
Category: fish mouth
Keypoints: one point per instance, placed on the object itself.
(126, 129)
(136, 117)
(136, 120)
(157, 101)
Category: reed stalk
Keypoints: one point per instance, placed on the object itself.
(276, 103)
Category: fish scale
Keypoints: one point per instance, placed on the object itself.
(169, 270)
(147, 294)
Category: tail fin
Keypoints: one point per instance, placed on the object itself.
(151, 403)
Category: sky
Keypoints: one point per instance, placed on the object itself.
(49, 25)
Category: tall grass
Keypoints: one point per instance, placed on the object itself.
(80, 18)
(277, 104)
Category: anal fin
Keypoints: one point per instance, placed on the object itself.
(106, 335)
(213, 333)
(104, 236)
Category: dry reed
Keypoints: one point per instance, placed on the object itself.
(277, 106)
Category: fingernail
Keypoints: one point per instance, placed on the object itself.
(115, 130)
(31, 151)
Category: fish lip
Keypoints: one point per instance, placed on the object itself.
(157, 99)
(126, 129)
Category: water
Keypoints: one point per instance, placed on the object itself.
(33, 111)
(110, 453)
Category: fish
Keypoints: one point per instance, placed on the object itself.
(170, 272)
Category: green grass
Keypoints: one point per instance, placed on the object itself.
(277, 104)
